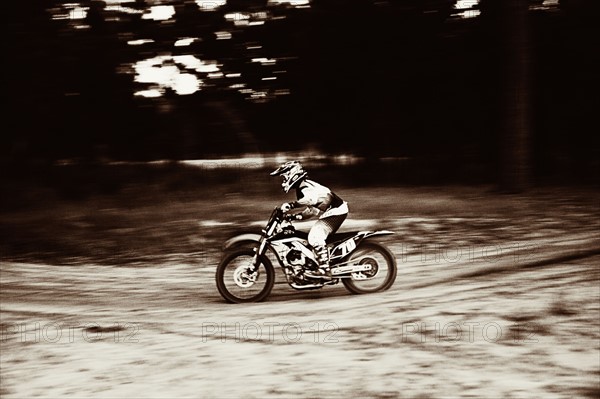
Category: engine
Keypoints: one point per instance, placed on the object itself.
(295, 258)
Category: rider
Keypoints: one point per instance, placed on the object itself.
(318, 200)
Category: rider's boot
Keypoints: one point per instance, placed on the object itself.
(322, 255)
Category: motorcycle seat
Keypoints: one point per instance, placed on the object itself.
(337, 237)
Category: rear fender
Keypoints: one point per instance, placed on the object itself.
(367, 234)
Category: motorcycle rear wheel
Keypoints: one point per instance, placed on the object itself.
(382, 275)
(235, 284)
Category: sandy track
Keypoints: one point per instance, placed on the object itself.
(442, 330)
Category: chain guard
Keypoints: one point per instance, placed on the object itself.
(367, 274)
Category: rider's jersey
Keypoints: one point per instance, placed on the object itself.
(319, 200)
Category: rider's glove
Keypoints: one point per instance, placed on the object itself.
(295, 216)
(285, 207)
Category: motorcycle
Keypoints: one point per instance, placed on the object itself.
(246, 273)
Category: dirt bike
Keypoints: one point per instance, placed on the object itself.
(246, 273)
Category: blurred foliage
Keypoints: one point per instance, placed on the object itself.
(375, 78)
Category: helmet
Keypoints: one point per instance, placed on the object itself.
(292, 172)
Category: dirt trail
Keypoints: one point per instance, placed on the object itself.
(443, 330)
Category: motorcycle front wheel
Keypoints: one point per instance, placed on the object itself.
(383, 269)
(237, 284)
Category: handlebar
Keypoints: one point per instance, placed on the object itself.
(280, 216)
(277, 216)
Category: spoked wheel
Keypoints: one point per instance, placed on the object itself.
(382, 274)
(236, 282)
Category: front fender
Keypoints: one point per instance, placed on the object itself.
(240, 240)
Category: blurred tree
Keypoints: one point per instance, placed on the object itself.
(371, 77)
(516, 168)
(509, 26)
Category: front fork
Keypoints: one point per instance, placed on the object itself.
(258, 252)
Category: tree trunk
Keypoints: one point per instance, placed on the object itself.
(516, 132)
